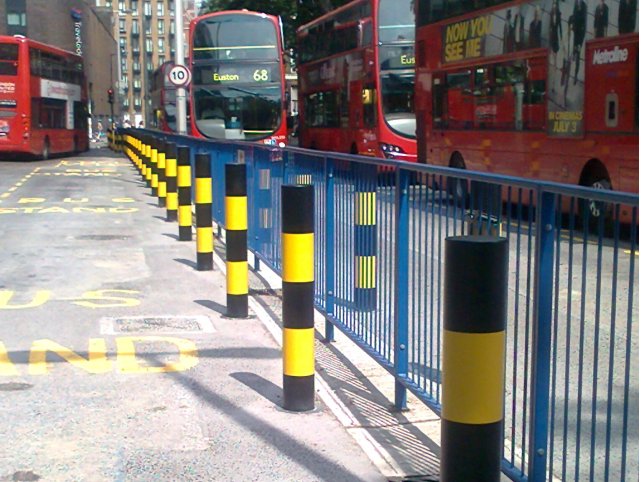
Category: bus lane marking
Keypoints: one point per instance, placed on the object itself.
(183, 352)
(40, 205)
(95, 299)
(61, 210)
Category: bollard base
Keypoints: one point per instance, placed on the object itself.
(471, 451)
(365, 299)
(298, 393)
(236, 306)
(161, 202)
(172, 216)
(184, 233)
(204, 261)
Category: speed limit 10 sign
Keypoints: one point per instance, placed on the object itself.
(180, 76)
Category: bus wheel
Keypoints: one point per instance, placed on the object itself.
(455, 187)
(45, 150)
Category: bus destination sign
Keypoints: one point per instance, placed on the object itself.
(235, 74)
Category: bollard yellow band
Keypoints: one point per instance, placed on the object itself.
(366, 209)
(298, 352)
(236, 213)
(298, 257)
(304, 179)
(365, 266)
(170, 167)
(204, 240)
(172, 201)
(162, 189)
(203, 193)
(185, 215)
(473, 377)
(184, 176)
(237, 279)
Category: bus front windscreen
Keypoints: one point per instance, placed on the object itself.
(397, 65)
(398, 87)
(247, 112)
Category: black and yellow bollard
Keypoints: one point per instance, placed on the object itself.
(365, 238)
(236, 239)
(297, 213)
(184, 186)
(138, 154)
(153, 164)
(148, 161)
(162, 183)
(475, 291)
(203, 208)
(141, 155)
(170, 176)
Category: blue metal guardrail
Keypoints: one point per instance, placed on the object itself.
(571, 406)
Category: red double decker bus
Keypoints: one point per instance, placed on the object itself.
(163, 94)
(43, 99)
(356, 69)
(238, 78)
(539, 89)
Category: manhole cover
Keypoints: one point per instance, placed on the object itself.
(103, 237)
(14, 386)
(157, 324)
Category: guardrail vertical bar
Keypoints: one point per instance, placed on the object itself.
(329, 248)
(401, 287)
(540, 381)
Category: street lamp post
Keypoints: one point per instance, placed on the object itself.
(110, 92)
(181, 114)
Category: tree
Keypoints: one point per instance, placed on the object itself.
(293, 13)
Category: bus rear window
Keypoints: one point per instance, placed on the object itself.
(8, 59)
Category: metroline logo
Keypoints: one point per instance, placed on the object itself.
(612, 56)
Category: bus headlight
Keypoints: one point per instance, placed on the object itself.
(390, 151)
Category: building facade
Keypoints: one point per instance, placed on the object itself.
(146, 35)
(73, 25)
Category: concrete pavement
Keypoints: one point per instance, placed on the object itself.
(117, 362)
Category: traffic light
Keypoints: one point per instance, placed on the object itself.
(110, 96)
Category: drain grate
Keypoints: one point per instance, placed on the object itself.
(156, 324)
